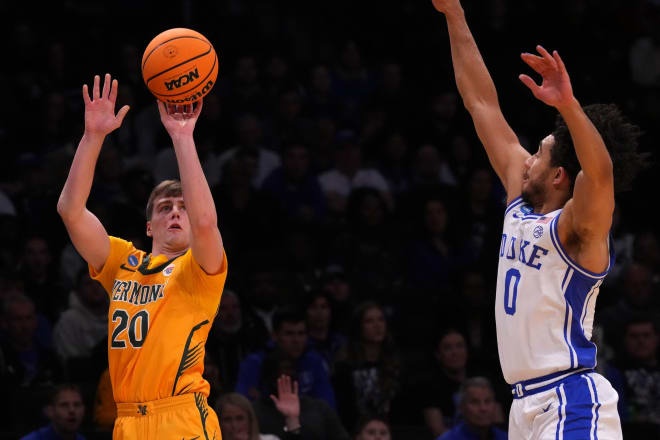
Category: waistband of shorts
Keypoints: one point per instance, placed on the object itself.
(539, 384)
(140, 409)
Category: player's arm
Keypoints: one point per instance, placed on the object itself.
(206, 243)
(479, 95)
(589, 214)
(85, 230)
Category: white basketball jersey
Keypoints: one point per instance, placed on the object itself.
(545, 302)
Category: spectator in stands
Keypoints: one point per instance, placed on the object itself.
(636, 295)
(367, 374)
(289, 336)
(373, 428)
(238, 420)
(233, 336)
(29, 369)
(285, 413)
(439, 390)
(294, 186)
(636, 377)
(322, 337)
(476, 400)
(335, 282)
(39, 275)
(348, 174)
(65, 410)
(250, 141)
(28, 362)
(82, 327)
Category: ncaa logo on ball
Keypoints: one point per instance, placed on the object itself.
(538, 231)
(181, 80)
(168, 270)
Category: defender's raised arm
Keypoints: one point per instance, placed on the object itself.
(85, 230)
(479, 96)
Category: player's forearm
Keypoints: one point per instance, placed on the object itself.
(472, 78)
(590, 149)
(78, 184)
(200, 207)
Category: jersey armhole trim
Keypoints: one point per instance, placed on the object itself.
(554, 235)
(515, 202)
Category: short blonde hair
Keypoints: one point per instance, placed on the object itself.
(166, 188)
(243, 403)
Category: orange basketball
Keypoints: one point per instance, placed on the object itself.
(179, 66)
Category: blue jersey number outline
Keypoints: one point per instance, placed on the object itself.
(510, 299)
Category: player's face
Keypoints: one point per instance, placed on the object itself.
(452, 351)
(292, 338)
(375, 430)
(478, 407)
(169, 223)
(234, 421)
(374, 327)
(536, 175)
(67, 412)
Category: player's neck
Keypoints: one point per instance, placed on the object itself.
(166, 251)
(551, 203)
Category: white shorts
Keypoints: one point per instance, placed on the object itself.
(579, 407)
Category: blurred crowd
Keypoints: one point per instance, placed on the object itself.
(359, 213)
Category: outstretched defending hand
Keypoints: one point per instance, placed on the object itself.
(179, 120)
(100, 110)
(555, 90)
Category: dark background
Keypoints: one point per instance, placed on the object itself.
(49, 50)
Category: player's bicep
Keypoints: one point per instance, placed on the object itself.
(90, 238)
(504, 151)
(592, 206)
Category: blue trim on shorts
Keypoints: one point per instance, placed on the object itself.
(527, 388)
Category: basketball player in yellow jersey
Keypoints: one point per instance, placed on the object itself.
(162, 304)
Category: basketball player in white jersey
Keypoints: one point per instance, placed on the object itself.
(555, 247)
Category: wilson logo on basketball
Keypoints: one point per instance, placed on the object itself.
(182, 80)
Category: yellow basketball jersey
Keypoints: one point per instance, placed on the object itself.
(160, 315)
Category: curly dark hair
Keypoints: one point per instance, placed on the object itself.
(621, 138)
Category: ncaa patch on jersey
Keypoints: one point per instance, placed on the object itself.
(132, 260)
(538, 231)
(168, 270)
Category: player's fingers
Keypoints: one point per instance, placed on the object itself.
(529, 82)
(295, 387)
(113, 91)
(546, 56)
(197, 109)
(95, 90)
(106, 86)
(533, 61)
(85, 93)
(274, 399)
(122, 113)
(559, 61)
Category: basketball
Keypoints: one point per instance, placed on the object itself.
(179, 66)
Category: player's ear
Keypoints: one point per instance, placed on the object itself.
(149, 233)
(48, 411)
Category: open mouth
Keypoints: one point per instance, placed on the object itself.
(174, 227)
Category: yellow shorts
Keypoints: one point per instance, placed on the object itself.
(186, 417)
